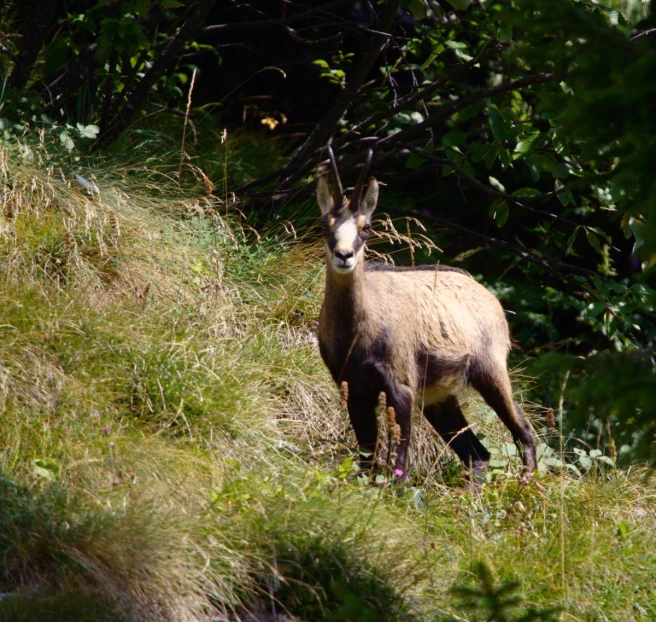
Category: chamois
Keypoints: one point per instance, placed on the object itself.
(413, 333)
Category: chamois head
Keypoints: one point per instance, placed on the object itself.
(346, 222)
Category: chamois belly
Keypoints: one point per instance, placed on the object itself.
(439, 377)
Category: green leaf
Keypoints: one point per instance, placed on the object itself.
(571, 240)
(459, 5)
(566, 198)
(505, 33)
(492, 212)
(477, 151)
(509, 450)
(67, 140)
(546, 163)
(88, 131)
(527, 144)
(471, 111)
(456, 45)
(500, 128)
(453, 138)
(526, 192)
(552, 461)
(496, 184)
(418, 9)
(502, 214)
(414, 161)
(46, 468)
(585, 462)
(491, 156)
(505, 158)
(593, 239)
(595, 309)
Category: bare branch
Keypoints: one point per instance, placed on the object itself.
(645, 33)
(553, 265)
(328, 124)
(44, 14)
(406, 102)
(282, 21)
(69, 79)
(162, 60)
(444, 112)
(536, 198)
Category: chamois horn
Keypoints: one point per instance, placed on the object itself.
(338, 196)
(357, 191)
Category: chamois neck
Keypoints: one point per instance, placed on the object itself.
(345, 293)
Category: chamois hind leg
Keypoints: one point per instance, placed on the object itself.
(362, 413)
(493, 383)
(449, 422)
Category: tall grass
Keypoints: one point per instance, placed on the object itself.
(172, 448)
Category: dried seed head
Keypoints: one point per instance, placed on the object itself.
(396, 434)
(382, 400)
(343, 393)
(113, 223)
(207, 183)
(9, 210)
(391, 419)
(551, 422)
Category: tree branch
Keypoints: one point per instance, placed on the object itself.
(328, 124)
(553, 265)
(536, 198)
(282, 21)
(444, 112)
(644, 33)
(408, 101)
(44, 15)
(73, 75)
(162, 60)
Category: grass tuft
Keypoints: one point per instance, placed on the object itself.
(173, 449)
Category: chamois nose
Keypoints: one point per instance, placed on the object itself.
(343, 256)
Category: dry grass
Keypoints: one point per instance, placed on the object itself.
(172, 448)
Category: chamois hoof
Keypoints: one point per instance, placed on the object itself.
(475, 478)
(525, 478)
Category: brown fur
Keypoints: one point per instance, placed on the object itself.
(416, 334)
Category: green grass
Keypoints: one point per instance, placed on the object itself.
(173, 449)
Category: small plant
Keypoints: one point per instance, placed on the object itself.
(495, 603)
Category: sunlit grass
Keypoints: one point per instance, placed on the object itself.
(172, 447)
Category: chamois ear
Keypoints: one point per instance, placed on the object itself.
(370, 199)
(324, 196)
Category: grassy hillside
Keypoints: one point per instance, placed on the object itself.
(172, 448)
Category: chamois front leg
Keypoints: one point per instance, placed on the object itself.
(401, 399)
(362, 413)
